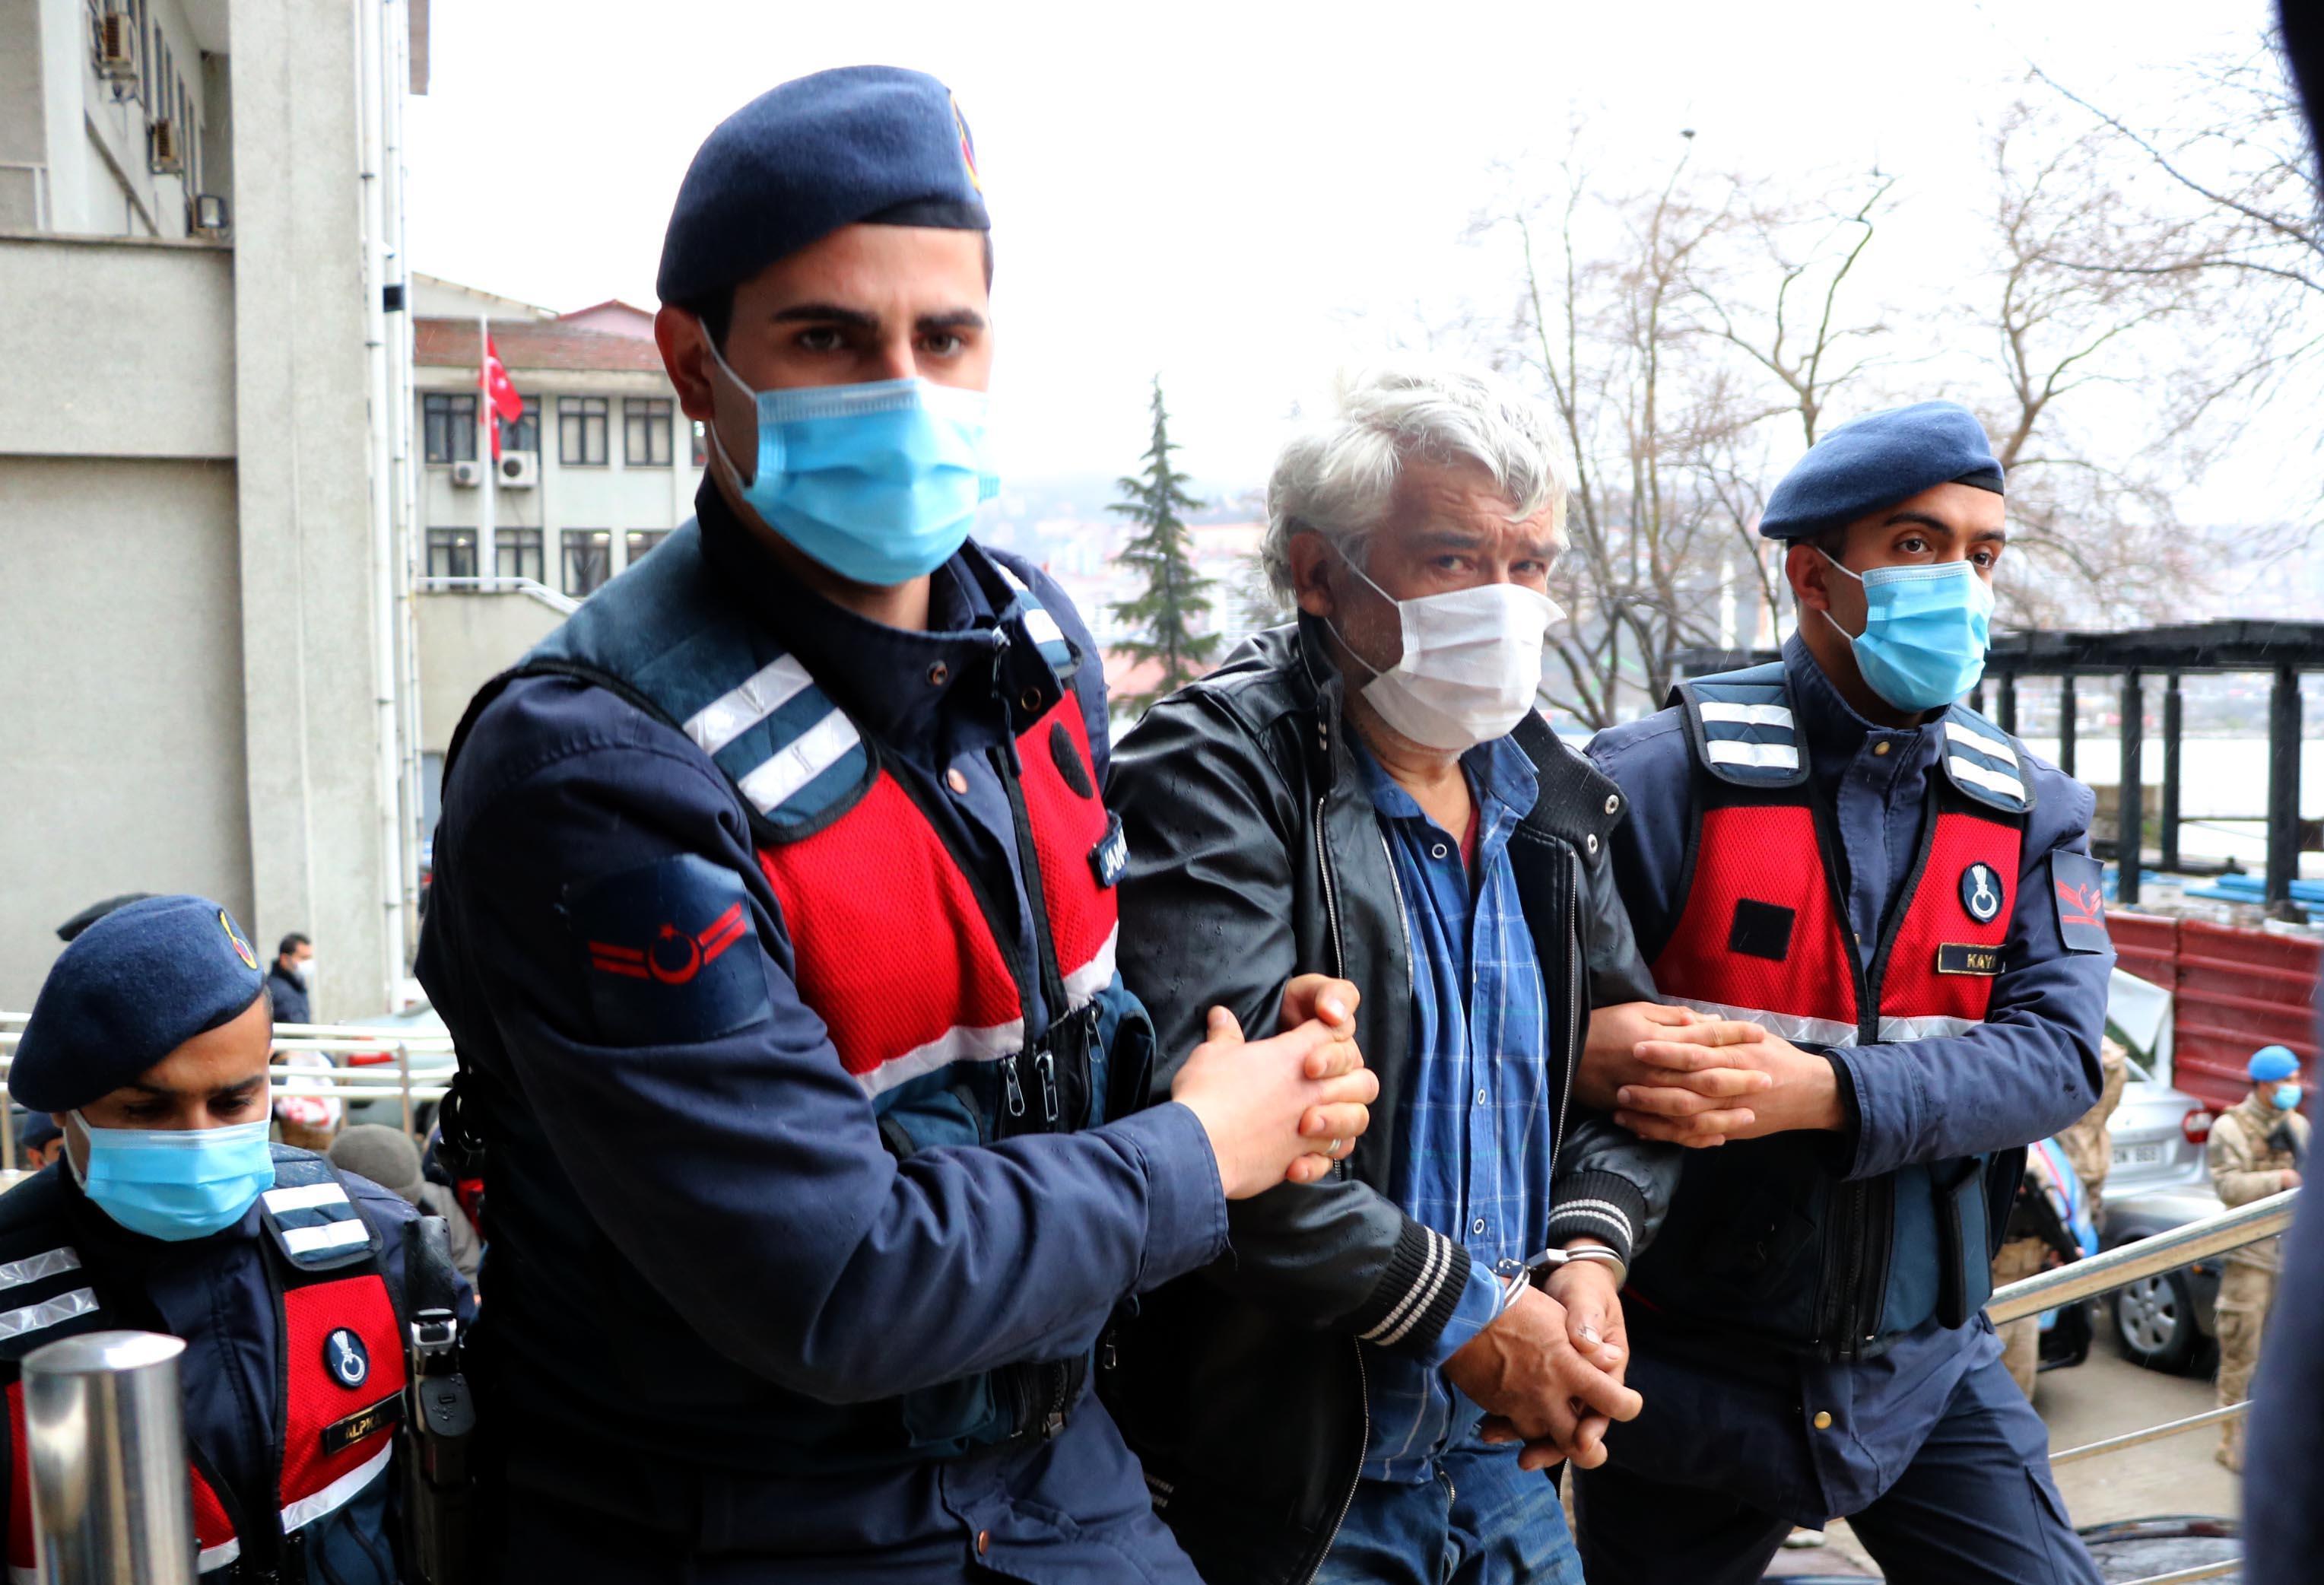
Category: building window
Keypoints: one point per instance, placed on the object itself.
(450, 423)
(645, 431)
(701, 443)
(516, 554)
(637, 541)
(588, 558)
(451, 553)
(524, 435)
(581, 431)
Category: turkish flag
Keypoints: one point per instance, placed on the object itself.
(500, 394)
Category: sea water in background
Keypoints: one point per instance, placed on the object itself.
(2222, 790)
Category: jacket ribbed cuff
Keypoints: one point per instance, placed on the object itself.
(1601, 1206)
(1418, 1293)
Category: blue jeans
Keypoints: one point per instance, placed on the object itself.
(1477, 1519)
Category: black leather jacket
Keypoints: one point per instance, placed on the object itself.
(1255, 856)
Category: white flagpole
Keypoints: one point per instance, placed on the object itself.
(488, 566)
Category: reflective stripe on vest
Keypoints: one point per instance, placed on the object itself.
(1761, 936)
(860, 897)
(317, 1480)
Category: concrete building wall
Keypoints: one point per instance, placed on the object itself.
(300, 390)
(95, 150)
(121, 636)
(132, 343)
(185, 556)
(465, 641)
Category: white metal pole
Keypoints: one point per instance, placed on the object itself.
(402, 400)
(104, 1440)
(488, 566)
(373, 88)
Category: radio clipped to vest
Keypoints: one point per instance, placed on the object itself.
(440, 1418)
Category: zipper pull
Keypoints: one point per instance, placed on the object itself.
(1052, 1108)
(1015, 1090)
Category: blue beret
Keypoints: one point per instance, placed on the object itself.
(40, 1128)
(857, 143)
(2272, 1064)
(1875, 462)
(129, 989)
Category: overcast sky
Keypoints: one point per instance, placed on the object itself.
(1237, 196)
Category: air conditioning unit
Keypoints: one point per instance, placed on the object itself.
(519, 470)
(164, 154)
(116, 47)
(206, 216)
(468, 476)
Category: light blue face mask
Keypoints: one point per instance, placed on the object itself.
(2287, 1097)
(176, 1183)
(1925, 629)
(878, 482)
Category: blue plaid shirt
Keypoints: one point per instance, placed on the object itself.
(1480, 1116)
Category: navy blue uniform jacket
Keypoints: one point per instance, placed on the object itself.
(1742, 1419)
(722, 1161)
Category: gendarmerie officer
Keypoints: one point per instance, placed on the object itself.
(171, 1212)
(1883, 901)
(773, 915)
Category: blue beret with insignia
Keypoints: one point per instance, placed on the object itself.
(2272, 1064)
(858, 143)
(129, 989)
(1878, 461)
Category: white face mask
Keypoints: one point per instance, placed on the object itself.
(1472, 664)
(305, 972)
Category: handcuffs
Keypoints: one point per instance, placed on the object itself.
(1535, 1271)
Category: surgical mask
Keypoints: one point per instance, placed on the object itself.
(2287, 1097)
(1925, 629)
(878, 482)
(307, 974)
(176, 1183)
(1471, 663)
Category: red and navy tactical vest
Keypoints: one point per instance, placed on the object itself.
(895, 942)
(339, 1355)
(1764, 1232)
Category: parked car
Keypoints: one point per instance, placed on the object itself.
(2159, 1179)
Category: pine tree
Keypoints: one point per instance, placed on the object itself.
(1164, 617)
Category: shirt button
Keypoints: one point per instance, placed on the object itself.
(1590, 842)
(1439, 851)
(1880, 748)
(939, 674)
(1823, 1420)
(1477, 1226)
(984, 1542)
(956, 781)
(1613, 803)
(1480, 1098)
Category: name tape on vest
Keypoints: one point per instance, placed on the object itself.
(1965, 958)
(364, 1424)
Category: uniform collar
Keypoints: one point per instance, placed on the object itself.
(1498, 772)
(2259, 1114)
(903, 687)
(1830, 722)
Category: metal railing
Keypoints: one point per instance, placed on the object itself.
(368, 1064)
(556, 600)
(2128, 1263)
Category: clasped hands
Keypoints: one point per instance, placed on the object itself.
(1673, 1074)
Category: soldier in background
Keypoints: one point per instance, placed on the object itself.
(2257, 1148)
